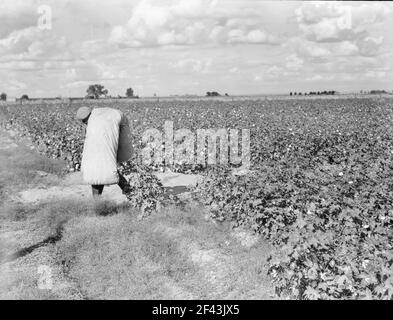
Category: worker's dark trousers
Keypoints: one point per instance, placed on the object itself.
(98, 188)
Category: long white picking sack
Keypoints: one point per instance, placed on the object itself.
(99, 158)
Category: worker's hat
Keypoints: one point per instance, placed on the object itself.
(83, 113)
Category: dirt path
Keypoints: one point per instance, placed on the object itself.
(28, 253)
(73, 187)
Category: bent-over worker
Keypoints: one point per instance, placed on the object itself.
(107, 143)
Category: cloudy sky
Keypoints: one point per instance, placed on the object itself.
(193, 46)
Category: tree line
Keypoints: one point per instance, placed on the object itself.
(94, 91)
(97, 91)
(3, 97)
(214, 94)
(313, 93)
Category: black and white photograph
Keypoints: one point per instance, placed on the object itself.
(209, 151)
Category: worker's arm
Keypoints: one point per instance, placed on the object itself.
(125, 141)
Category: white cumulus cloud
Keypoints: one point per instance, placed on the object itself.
(189, 22)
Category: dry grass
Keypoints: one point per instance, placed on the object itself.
(112, 255)
(113, 258)
(121, 258)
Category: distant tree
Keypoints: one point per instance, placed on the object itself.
(300, 93)
(377, 91)
(96, 91)
(24, 97)
(212, 94)
(295, 93)
(226, 94)
(3, 97)
(290, 93)
(129, 93)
